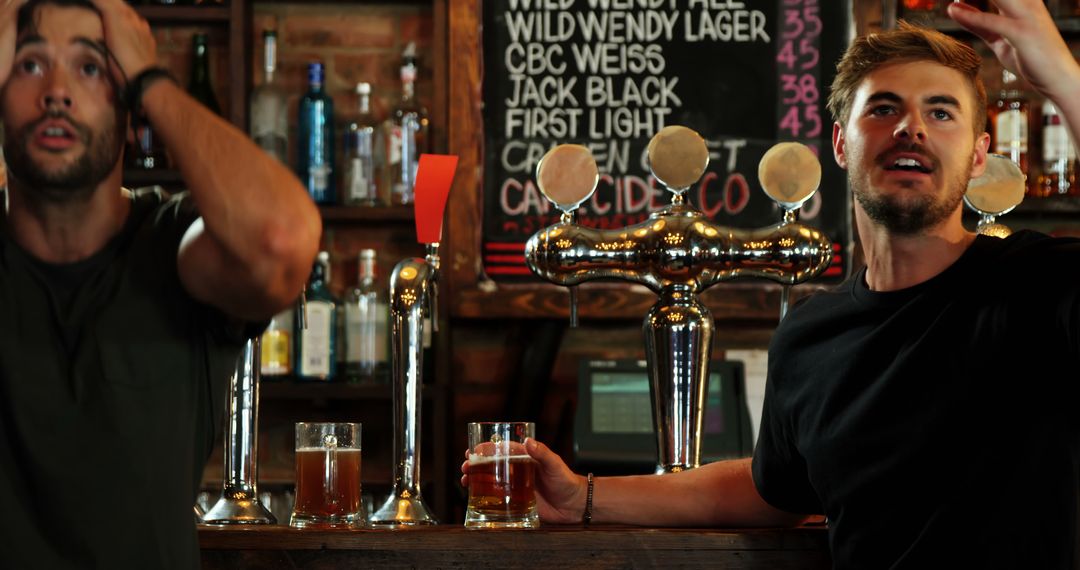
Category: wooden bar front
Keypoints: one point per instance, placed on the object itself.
(452, 546)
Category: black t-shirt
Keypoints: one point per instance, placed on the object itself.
(935, 426)
(112, 390)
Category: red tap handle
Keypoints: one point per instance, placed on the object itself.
(434, 175)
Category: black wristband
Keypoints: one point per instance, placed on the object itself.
(138, 84)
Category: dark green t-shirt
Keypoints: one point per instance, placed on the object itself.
(112, 388)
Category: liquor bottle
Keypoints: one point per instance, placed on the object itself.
(408, 134)
(1058, 155)
(360, 187)
(145, 151)
(1009, 120)
(199, 87)
(366, 333)
(315, 350)
(269, 110)
(276, 353)
(315, 163)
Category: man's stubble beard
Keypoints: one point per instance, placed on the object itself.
(73, 182)
(906, 215)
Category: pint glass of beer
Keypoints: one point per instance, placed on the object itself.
(327, 476)
(502, 491)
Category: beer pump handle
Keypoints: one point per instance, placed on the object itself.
(567, 176)
(995, 192)
(434, 176)
(573, 306)
(790, 174)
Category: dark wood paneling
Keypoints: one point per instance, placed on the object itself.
(549, 547)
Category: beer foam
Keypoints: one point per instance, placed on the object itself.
(325, 449)
(475, 459)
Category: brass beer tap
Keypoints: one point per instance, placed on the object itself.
(678, 253)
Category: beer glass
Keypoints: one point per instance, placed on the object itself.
(327, 476)
(502, 491)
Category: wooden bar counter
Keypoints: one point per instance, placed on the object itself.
(451, 546)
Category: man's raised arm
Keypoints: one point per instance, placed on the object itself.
(252, 250)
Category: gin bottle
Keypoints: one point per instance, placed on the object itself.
(315, 354)
(315, 163)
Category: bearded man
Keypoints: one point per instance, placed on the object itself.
(123, 312)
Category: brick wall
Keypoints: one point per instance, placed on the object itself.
(356, 42)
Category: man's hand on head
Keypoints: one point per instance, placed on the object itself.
(9, 10)
(129, 39)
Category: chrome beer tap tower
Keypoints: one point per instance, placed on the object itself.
(413, 299)
(239, 502)
(678, 253)
(413, 289)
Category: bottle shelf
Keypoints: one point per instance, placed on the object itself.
(184, 14)
(367, 213)
(287, 388)
(135, 178)
(1051, 205)
(949, 26)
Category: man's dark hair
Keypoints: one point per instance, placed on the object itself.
(27, 20)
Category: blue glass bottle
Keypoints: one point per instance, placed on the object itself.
(315, 165)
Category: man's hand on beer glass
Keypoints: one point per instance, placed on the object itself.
(560, 494)
(1025, 39)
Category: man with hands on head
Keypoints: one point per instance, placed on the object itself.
(122, 312)
(926, 406)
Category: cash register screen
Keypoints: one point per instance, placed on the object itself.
(614, 423)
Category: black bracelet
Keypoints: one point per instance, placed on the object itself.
(587, 517)
(138, 84)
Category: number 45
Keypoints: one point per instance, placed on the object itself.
(793, 125)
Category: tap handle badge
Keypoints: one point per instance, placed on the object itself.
(678, 157)
(434, 176)
(789, 173)
(567, 175)
(995, 192)
(998, 190)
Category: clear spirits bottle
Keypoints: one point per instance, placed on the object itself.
(360, 185)
(315, 163)
(315, 343)
(366, 333)
(269, 109)
(199, 86)
(408, 134)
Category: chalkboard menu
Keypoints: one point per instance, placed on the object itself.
(609, 74)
